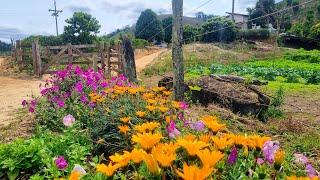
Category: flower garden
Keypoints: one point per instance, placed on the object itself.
(90, 127)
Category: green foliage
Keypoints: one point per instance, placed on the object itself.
(190, 33)
(4, 47)
(262, 8)
(43, 41)
(303, 55)
(315, 31)
(254, 34)
(212, 32)
(23, 158)
(275, 108)
(167, 26)
(148, 27)
(140, 43)
(81, 28)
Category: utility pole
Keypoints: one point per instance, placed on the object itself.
(233, 10)
(177, 51)
(56, 15)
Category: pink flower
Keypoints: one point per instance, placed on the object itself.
(61, 163)
(260, 161)
(311, 171)
(233, 156)
(69, 120)
(24, 103)
(269, 149)
(183, 105)
(300, 159)
(172, 130)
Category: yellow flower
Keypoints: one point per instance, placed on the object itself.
(140, 114)
(222, 143)
(123, 129)
(165, 154)
(151, 108)
(194, 173)
(301, 178)
(205, 138)
(189, 137)
(146, 140)
(152, 164)
(170, 118)
(163, 109)
(75, 175)
(176, 104)
(125, 119)
(121, 160)
(209, 118)
(151, 101)
(133, 91)
(192, 147)
(279, 157)
(259, 141)
(149, 126)
(148, 95)
(107, 170)
(167, 93)
(208, 158)
(137, 155)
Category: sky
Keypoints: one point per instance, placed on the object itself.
(20, 18)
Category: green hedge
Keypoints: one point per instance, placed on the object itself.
(254, 34)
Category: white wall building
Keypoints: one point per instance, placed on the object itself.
(240, 20)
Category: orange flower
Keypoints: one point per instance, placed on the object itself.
(279, 157)
(165, 153)
(194, 173)
(75, 175)
(125, 119)
(149, 126)
(133, 91)
(192, 147)
(146, 140)
(137, 155)
(140, 114)
(123, 129)
(167, 93)
(214, 126)
(107, 170)
(205, 138)
(209, 159)
(151, 108)
(176, 104)
(121, 160)
(209, 118)
(170, 118)
(163, 109)
(151, 101)
(148, 95)
(152, 164)
(222, 143)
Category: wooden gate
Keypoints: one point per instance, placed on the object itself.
(108, 58)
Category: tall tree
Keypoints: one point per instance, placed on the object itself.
(81, 28)
(167, 28)
(262, 8)
(148, 27)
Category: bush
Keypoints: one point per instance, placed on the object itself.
(304, 55)
(218, 29)
(315, 31)
(254, 34)
(43, 41)
(140, 43)
(190, 33)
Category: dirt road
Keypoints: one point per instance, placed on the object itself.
(14, 90)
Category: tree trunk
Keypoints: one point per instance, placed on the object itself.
(177, 53)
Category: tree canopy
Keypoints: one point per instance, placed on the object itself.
(262, 8)
(81, 28)
(167, 26)
(4, 47)
(148, 26)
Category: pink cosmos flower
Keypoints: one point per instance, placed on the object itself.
(300, 159)
(69, 120)
(172, 130)
(183, 105)
(61, 163)
(260, 161)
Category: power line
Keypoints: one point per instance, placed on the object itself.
(56, 15)
(205, 3)
(264, 16)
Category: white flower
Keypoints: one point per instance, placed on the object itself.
(68, 120)
(79, 169)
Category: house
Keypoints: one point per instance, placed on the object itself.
(240, 20)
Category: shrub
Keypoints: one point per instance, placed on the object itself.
(190, 33)
(254, 34)
(140, 43)
(312, 56)
(218, 29)
(315, 31)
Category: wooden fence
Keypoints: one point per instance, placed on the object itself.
(108, 58)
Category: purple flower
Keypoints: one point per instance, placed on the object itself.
(104, 84)
(198, 126)
(69, 120)
(79, 87)
(300, 159)
(31, 109)
(311, 171)
(92, 105)
(84, 99)
(61, 163)
(269, 149)
(33, 103)
(62, 74)
(233, 156)
(60, 103)
(24, 103)
(78, 71)
(172, 130)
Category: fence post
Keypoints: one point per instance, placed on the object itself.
(129, 60)
(19, 54)
(37, 63)
(108, 62)
(70, 56)
(102, 57)
(95, 63)
(120, 60)
(34, 57)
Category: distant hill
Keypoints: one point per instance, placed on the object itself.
(185, 20)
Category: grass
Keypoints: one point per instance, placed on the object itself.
(291, 88)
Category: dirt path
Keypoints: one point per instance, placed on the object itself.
(14, 90)
(143, 62)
